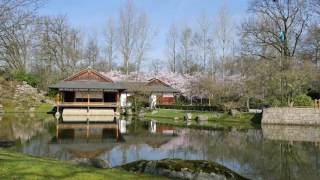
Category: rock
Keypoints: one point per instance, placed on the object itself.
(216, 115)
(202, 118)
(234, 112)
(141, 113)
(95, 162)
(183, 169)
(154, 112)
(32, 109)
(100, 163)
(188, 116)
(28, 96)
(6, 143)
(81, 161)
(188, 122)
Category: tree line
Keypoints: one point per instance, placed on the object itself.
(271, 55)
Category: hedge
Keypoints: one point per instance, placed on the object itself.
(195, 108)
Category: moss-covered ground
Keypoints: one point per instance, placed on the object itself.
(19, 166)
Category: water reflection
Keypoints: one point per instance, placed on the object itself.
(292, 133)
(272, 152)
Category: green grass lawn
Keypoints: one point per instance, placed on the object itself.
(215, 120)
(19, 166)
(43, 108)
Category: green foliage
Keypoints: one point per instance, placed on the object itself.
(138, 100)
(302, 100)
(52, 93)
(274, 102)
(31, 79)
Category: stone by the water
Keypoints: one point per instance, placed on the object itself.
(234, 112)
(188, 116)
(202, 118)
(95, 162)
(100, 163)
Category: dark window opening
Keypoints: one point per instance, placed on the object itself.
(109, 97)
(69, 96)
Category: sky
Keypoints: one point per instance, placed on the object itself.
(91, 15)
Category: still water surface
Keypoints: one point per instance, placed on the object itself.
(269, 152)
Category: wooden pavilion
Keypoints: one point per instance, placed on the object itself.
(90, 89)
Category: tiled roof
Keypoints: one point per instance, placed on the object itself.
(128, 86)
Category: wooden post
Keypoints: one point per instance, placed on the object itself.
(117, 98)
(88, 129)
(117, 133)
(57, 131)
(88, 102)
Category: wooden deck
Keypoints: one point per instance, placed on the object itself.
(88, 104)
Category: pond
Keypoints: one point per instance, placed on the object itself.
(269, 152)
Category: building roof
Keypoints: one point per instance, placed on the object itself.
(85, 84)
(90, 79)
(144, 86)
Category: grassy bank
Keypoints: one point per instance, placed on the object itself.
(19, 166)
(42, 108)
(215, 120)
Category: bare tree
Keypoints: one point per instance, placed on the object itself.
(204, 24)
(276, 24)
(16, 20)
(127, 33)
(172, 47)
(144, 37)
(311, 44)
(316, 6)
(155, 66)
(111, 43)
(212, 58)
(185, 54)
(92, 52)
(223, 31)
(59, 46)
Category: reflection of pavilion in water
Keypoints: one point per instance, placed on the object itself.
(90, 129)
(76, 139)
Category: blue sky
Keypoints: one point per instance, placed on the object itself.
(91, 15)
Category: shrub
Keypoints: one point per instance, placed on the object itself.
(274, 102)
(302, 100)
(218, 108)
(27, 77)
